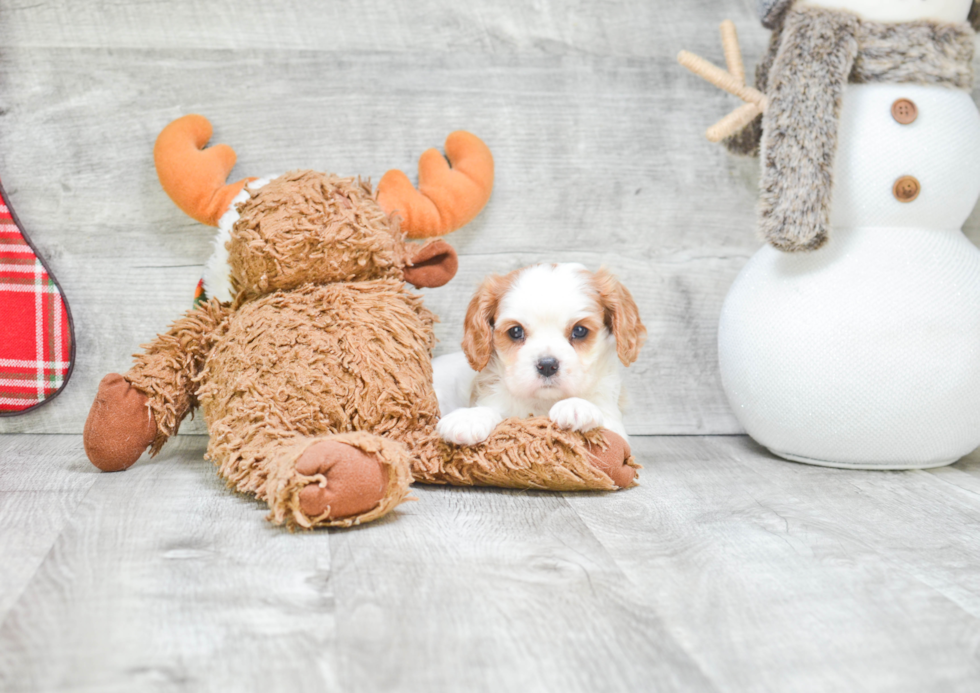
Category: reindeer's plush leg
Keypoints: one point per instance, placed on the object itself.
(528, 453)
(144, 407)
(332, 480)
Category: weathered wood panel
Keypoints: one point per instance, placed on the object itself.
(164, 579)
(597, 135)
(42, 482)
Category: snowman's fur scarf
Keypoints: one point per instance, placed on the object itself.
(813, 55)
(799, 128)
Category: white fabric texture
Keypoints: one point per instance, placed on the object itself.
(217, 272)
(866, 353)
(941, 148)
(900, 10)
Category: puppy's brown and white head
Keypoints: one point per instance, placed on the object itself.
(552, 331)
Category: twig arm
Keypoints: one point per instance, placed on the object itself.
(732, 81)
(721, 79)
(733, 122)
(733, 52)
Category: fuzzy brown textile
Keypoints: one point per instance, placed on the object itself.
(166, 370)
(312, 227)
(120, 425)
(283, 483)
(520, 453)
(317, 361)
(914, 53)
(317, 380)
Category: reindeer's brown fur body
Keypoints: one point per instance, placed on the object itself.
(313, 362)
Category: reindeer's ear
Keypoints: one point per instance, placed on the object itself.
(478, 325)
(430, 265)
(194, 177)
(621, 315)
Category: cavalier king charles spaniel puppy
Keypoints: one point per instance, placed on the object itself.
(540, 341)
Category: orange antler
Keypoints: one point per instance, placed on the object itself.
(192, 176)
(447, 198)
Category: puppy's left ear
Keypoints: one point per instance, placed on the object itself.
(622, 317)
(430, 265)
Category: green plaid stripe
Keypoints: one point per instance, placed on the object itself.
(27, 280)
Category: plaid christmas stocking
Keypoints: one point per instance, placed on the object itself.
(37, 340)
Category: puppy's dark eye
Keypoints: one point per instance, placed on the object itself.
(516, 333)
(579, 332)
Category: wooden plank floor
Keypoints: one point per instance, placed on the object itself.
(726, 570)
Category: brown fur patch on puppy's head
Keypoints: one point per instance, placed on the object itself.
(308, 227)
(593, 325)
(502, 343)
(621, 315)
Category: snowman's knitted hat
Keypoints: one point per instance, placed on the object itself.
(771, 12)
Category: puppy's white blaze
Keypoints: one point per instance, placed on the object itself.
(546, 296)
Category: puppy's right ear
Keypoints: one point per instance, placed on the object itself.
(478, 326)
(622, 316)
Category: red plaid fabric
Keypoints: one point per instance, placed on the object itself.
(36, 344)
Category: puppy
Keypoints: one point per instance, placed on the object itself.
(540, 341)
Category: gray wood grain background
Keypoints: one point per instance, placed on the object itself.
(597, 135)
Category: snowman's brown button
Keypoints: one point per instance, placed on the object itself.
(906, 189)
(904, 111)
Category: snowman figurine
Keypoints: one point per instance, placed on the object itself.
(852, 339)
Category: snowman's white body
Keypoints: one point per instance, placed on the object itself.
(866, 353)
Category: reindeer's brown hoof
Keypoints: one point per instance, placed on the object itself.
(355, 481)
(612, 460)
(119, 426)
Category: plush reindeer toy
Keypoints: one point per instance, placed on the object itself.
(312, 358)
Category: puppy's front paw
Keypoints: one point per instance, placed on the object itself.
(468, 426)
(576, 414)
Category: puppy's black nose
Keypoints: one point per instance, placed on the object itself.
(547, 366)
